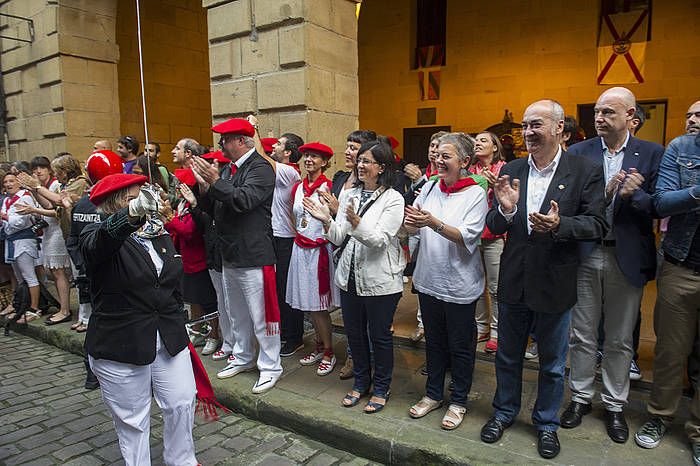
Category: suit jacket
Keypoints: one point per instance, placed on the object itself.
(632, 222)
(539, 269)
(131, 301)
(242, 209)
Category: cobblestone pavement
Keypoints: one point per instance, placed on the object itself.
(47, 417)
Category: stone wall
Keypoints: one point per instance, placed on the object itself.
(297, 71)
(61, 89)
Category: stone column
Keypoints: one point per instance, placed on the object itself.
(292, 62)
(62, 88)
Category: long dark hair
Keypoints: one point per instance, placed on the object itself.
(383, 155)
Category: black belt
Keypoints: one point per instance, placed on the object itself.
(609, 243)
(694, 267)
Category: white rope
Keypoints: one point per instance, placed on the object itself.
(143, 92)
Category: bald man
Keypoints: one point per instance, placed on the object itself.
(184, 150)
(614, 270)
(102, 145)
(692, 119)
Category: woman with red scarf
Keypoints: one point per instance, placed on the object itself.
(489, 161)
(309, 282)
(449, 215)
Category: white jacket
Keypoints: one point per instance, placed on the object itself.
(378, 258)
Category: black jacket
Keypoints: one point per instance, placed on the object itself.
(633, 228)
(130, 301)
(242, 209)
(84, 213)
(539, 269)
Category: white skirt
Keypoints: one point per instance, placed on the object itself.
(302, 280)
(53, 248)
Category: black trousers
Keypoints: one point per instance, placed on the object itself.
(292, 320)
(377, 314)
(450, 336)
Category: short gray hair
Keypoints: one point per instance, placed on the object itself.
(463, 143)
(190, 145)
(558, 113)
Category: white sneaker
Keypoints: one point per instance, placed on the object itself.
(326, 367)
(531, 351)
(233, 369)
(210, 346)
(635, 373)
(264, 383)
(312, 358)
(219, 355)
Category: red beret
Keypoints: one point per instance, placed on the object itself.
(102, 163)
(267, 143)
(113, 183)
(216, 155)
(394, 142)
(186, 176)
(317, 148)
(235, 126)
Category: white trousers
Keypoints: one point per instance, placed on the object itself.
(224, 319)
(245, 301)
(126, 390)
(84, 312)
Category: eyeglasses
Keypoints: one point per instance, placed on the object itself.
(364, 161)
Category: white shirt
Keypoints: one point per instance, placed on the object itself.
(538, 182)
(286, 177)
(17, 222)
(445, 270)
(613, 160)
(244, 157)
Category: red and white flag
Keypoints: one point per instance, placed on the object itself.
(622, 46)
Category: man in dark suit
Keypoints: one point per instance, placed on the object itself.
(614, 271)
(561, 202)
(241, 201)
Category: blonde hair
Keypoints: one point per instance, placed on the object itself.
(114, 202)
(68, 165)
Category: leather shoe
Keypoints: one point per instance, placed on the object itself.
(548, 444)
(616, 426)
(493, 430)
(573, 414)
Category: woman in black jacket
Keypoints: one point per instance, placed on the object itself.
(136, 338)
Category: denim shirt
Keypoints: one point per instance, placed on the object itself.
(679, 175)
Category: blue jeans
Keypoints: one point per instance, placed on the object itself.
(552, 334)
(377, 313)
(450, 339)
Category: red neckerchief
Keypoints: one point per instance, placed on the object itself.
(10, 201)
(428, 171)
(295, 166)
(463, 183)
(309, 190)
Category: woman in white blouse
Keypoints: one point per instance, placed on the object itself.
(370, 268)
(449, 215)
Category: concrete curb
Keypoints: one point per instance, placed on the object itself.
(369, 436)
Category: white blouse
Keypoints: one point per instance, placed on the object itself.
(445, 270)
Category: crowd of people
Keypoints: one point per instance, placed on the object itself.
(560, 243)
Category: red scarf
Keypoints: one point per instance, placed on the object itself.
(323, 270)
(428, 171)
(295, 166)
(206, 401)
(10, 201)
(309, 189)
(272, 309)
(463, 183)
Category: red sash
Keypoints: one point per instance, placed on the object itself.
(272, 309)
(206, 401)
(323, 271)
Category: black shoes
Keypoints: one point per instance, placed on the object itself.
(290, 347)
(616, 426)
(548, 444)
(572, 416)
(493, 430)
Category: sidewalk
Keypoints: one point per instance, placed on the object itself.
(310, 405)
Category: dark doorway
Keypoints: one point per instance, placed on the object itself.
(416, 142)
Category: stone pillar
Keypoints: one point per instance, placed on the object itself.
(62, 88)
(299, 75)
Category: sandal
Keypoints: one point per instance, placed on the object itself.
(76, 325)
(50, 321)
(81, 328)
(374, 407)
(351, 400)
(8, 310)
(453, 417)
(423, 407)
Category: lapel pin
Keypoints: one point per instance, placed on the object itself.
(162, 250)
(561, 186)
(637, 154)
